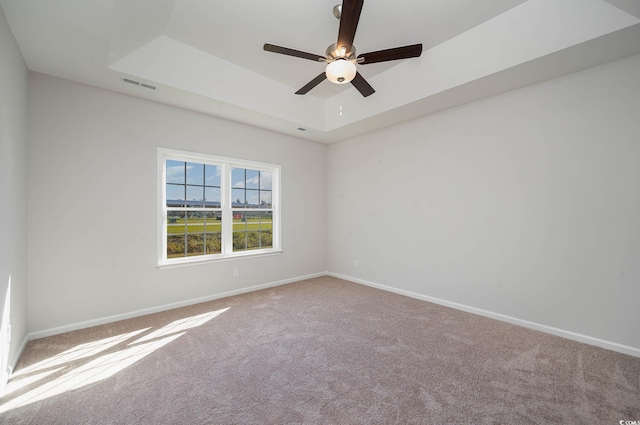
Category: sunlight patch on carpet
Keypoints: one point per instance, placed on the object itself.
(102, 367)
(78, 352)
(182, 325)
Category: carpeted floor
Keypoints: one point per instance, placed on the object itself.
(321, 351)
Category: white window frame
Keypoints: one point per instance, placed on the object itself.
(226, 207)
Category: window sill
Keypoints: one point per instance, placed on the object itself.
(195, 261)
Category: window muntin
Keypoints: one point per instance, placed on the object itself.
(215, 208)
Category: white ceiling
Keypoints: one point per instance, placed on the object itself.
(207, 55)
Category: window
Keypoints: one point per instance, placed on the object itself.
(215, 208)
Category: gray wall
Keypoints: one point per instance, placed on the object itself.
(13, 197)
(525, 204)
(93, 204)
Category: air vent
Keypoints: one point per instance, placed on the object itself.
(126, 80)
(138, 83)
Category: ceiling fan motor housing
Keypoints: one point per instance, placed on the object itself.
(333, 52)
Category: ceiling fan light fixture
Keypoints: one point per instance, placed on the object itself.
(340, 71)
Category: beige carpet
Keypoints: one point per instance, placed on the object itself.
(322, 351)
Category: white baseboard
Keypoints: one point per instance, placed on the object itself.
(624, 349)
(137, 313)
(632, 351)
(14, 362)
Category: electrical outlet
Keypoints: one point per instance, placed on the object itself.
(236, 272)
(355, 263)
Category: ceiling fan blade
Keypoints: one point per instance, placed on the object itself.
(348, 23)
(361, 84)
(396, 53)
(291, 52)
(311, 84)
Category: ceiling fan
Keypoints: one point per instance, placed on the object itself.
(341, 57)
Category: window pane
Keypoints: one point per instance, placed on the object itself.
(195, 196)
(195, 245)
(266, 221)
(212, 175)
(253, 240)
(239, 241)
(265, 199)
(195, 222)
(266, 239)
(209, 222)
(212, 197)
(175, 246)
(195, 173)
(214, 243)
(239, 221)
(176, 223)
(237, 177)
(252, 198)
(253, 179)
(175, 195)
(265, 180)
(175, 171)
(237, 198)
(252, 219)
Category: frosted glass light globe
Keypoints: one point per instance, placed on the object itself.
(341, 71)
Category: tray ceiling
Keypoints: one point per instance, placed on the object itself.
(208, 57)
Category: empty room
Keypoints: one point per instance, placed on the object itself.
(409, 212)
